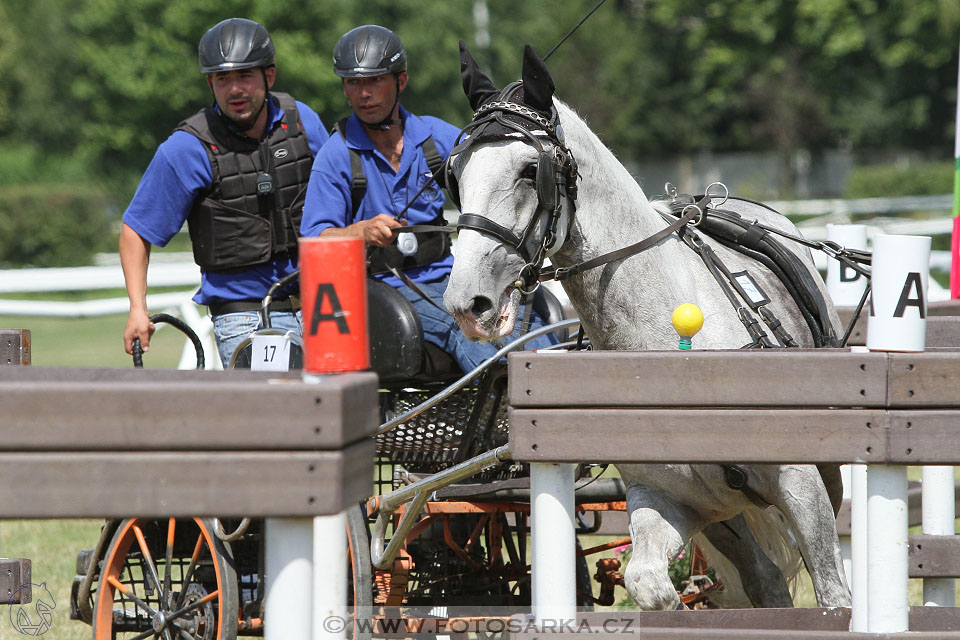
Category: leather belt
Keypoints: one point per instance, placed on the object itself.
(235, 306)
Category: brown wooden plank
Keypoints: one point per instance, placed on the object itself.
(188, 415)
(698, 378)
(929, 379)
(926, 623)
(944, 308)
(814, 619)
(698, 435)
(16, 584)
(230, 483)
(15, 347)
(924, 437)
(943, 332)
(934, 556)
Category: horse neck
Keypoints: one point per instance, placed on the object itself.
(612, 210)
(612, 213)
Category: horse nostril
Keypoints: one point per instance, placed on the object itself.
(481, 304)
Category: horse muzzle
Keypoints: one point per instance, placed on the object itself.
(480, 319)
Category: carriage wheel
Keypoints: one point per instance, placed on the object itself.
(360, 574)
(170, 579)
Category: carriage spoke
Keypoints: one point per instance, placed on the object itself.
(188, 576)
(168, 573)
(145, 635)
(190, 607)
(183, 634)
(148, 559)
(122, 588)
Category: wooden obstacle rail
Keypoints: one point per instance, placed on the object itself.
(80, 443)
(768, 407)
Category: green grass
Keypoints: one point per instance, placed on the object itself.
(52, 547)
(92, 342)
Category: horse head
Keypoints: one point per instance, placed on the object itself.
(515, 183)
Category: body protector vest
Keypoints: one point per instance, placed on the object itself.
(431, 245)
(252, 211)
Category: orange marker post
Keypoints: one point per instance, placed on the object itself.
(333, 291)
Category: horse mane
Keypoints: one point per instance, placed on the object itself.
(601, 170)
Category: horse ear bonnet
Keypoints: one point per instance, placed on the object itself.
(537, 84)
(534, 92)
(476, 85)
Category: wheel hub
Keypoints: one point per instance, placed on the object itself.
(159, 621)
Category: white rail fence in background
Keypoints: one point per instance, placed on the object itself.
(166, 270)
(178, 269)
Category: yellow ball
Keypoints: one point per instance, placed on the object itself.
(687, 320)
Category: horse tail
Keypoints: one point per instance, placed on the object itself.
(776, 539)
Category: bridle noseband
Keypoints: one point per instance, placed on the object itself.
(556, 184)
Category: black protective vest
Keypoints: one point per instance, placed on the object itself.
(246, 218)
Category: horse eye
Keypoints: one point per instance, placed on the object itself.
(529, 172)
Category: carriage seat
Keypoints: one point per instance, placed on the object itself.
(398, 352)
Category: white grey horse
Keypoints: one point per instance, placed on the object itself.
(528, 156)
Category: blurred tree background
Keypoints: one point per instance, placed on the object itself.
(90, 87)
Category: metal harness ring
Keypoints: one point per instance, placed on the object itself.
(520, 281)
(699, 218)
(726, 193)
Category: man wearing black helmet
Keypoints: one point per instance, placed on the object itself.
(374, 177)
(236, 172)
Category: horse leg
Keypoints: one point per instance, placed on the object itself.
(804, 500)
(762, 580)
(659, 528)
(833, 481)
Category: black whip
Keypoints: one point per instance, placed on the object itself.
(564, 39)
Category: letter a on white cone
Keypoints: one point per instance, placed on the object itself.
(900, 273)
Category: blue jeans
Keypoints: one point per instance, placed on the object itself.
(441, 329)
(230, 329)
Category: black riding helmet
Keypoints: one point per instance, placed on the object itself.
(236, 43)
(368, 51)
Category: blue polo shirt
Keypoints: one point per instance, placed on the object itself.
(179, 173)
(328, 202)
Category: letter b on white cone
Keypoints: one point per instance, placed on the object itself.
(844, 284)
(899, 278)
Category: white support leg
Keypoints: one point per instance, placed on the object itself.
(846, 551)
(289, 568)
(553, 571)
(858, 546)
(939, 513)
(330, 577)
(888, 599)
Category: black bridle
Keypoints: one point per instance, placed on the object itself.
(555, 182)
